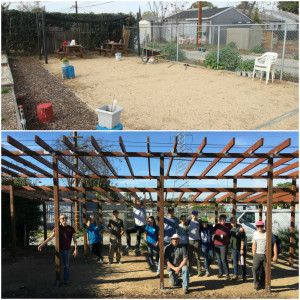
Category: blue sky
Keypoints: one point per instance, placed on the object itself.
(163, 141)
(116, 6)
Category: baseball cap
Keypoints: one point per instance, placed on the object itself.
(195, 212)
(204, 219)
(175, 236)
(260, 223)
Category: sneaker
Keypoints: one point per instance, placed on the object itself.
(234, 277)
(119, 262)
(157, 274)
(207, 274)
(220, 275)
(256, 287)
(199, 273)
(128, 247)
(228, 277)
(110, 262)
(185, 290)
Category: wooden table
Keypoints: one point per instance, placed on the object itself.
(71, 51)
(112, 48)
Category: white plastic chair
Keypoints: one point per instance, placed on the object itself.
(266, 63)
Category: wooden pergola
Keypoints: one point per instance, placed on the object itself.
(275, 164)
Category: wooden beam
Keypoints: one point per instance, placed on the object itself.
(174, 152)
(269, 227)
(13, 166)
(292, 227)
(287, 168)
(13, 221)
(126, 158)
(214, 162)
(148, 150)
(84, 220)
(44, 220)
(254, 147)
(216, 213)
(233, 212)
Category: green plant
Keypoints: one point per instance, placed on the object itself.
(228, 59)
(2, 118)
(64, 60)
(257, 49)
(247, 64)
(284, 235)
(296, 57)
(4, 91)
(171, 49)
(232, 45)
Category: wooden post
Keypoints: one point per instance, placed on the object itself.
(45, 221)
(269, 226)
(76, 206)
(160, 217)
(13, 221)
(216, 212)
(99, 207)
(38, 35)
(260, 212)
(233, 212)
(138, 33)
(56, 220)
(44, 36)
(84, 215)
(292, 228)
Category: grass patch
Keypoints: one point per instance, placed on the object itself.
(4, 91)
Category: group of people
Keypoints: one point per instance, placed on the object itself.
(184, 240)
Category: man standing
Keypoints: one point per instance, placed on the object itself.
(139, 212)
(176, 259)
(116, 228)
(171, 226)
(259, 241)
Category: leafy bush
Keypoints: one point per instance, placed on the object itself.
(171, 48)
(284, 235)
(228, 59)
(246, 65)
(232, 45)
(257, 49)
(4, 91)
(296, 57)
(64, 60)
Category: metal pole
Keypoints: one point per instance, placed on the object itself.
(233, 212)
(218, 53)
(160, 217)
(56, 220)
(138, 31)
(269, 226)
(292, 228)
(177, 53)
(45, 220)
(38, 35)
(99, 207)
(13, 221)
(44, 37)
(84, 220)
(283, 52)
(272, 40)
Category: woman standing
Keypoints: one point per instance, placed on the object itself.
(66, 234)
(151, 239)
(94, 232)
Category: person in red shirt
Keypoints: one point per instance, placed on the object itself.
(66, 234)
(221, 242)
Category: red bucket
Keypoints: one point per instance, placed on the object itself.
(45, 112)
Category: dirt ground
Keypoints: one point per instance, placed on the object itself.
(33, 276)
(170, 96)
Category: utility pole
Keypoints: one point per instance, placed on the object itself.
(199, 22)
(76, 7)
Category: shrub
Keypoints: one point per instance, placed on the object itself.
(171, 48)
(246, 65)
(296, 57)
(232, 45)
(228, 59)
(4, 91)
(284, 235)
(257, 49)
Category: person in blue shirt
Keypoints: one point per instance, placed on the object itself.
(171, 224)
(151, 239)
(94, 232)
(207, 244)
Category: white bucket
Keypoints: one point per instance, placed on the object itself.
(118, 56)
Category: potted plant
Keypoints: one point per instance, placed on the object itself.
(238, 69)
(65, 62)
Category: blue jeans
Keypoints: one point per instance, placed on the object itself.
(221, 252)
(208, 254)
(153, 250)
(236, 257)
(65, 261)
(185, 276)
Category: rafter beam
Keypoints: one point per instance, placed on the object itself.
(126, 158)
(174, 152)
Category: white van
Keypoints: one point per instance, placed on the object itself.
(281, 218)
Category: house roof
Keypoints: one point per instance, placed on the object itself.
(278, 15)
(150, 19)
(193, 13)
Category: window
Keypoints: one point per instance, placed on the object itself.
(249, 217)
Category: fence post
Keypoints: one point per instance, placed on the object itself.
(177, 43)
(283, 52)
(44, 37)
(138, 32)
(218, 53)
(272, 39)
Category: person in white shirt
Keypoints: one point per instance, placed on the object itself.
(259, 241)
(139, 212)
(194, 242)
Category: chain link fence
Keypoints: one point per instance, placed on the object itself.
(250, 40)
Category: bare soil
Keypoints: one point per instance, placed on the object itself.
(8, 112)
(34, 85)
(33, 276)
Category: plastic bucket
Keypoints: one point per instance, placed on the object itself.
(118, 56)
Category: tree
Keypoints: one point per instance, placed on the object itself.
(148, 14)
(204, 4)
(28, 6)
(5, 5)
(159, 9)
(290, 6)
(247, 7)
(256, 17)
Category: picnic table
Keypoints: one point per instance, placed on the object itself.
(69, 50)
(112, 48)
